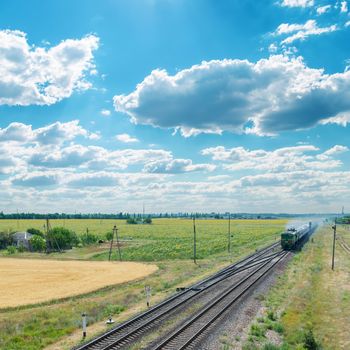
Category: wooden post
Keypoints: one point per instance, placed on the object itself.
(84, 324)
(334, 227)
(118, 245)
(111, 246)
(194, 241)
(229, 234)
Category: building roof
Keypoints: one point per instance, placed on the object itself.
(22, 235)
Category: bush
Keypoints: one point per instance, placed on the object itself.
(310, 342)
(5, 240)
(35, 231)
(38, 243)
(11, 250)
(88, 238)
(109, 235)
(147, 220)
(131, 221)
(62, 238)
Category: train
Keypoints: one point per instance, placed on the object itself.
(293, 236)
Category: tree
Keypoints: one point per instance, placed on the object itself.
(148, 220)
(35, 231)
(62, 238)
(38, 243)
(5, 240)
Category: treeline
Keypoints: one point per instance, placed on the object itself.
(140, 216)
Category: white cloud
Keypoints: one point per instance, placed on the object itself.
(323, 9)
(33, 75)
(337, 149)
(175, 166)
(35, 179)
(297, 3)
(273, 48)
(286, 159)
(302, 31)
(55, 133)
(272, 95)
(105, 112)
(347, 24)
(126, 138)
(344, 7)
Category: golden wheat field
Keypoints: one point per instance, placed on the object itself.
(31, 281)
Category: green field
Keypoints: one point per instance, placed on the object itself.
(164, 239)
(166, 242)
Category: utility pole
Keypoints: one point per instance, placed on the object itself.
(194, 241)
(111, 246)
(229, 234)
(118, 245)
(334, 227)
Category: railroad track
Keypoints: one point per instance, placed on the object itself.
(129, 331)
(343, 244)
(186, 335)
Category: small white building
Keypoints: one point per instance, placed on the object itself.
(22, 239)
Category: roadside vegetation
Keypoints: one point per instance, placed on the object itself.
(309, 307)
(167, 242)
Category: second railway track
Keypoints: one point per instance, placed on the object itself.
(129, 332)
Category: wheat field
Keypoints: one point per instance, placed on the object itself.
(32, 281)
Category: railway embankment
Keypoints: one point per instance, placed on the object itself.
(309, 306)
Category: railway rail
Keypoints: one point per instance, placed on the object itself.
(129, 331)
(343, 244)
(185, 335)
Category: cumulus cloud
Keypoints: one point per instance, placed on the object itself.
(33, 75)
(175, 166)
(297, 3)
(269, 96)
(302, 31)
(286, 159)
(55, 133)
(35, 179)
(323, 9)
(126, 138)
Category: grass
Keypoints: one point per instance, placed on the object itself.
(164, 239)
(167, 242)
(312, 301)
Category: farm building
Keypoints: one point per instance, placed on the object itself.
(21, 239)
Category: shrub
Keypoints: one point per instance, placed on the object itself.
(38, 243)
(109, 235)
(35, 231)
(11, 250)
(147, 220)
(271, 315)
(131, 221)
(5, 240)
(310, 342)
(88, 238)
(21, 248)
(62, 238)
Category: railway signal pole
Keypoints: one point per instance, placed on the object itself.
(118, 245)
(229, 234)
(194, 241)
(115, 232)
(334, 227)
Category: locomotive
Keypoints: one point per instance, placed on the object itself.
(293, 236)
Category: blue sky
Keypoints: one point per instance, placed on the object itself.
(239, 106)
